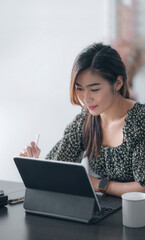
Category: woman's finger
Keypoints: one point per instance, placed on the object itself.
(29, 151)
(37, 151)
(23, 153)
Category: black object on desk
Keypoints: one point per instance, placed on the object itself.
(63, 190)
(3, 198)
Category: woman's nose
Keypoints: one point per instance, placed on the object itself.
(87, 97)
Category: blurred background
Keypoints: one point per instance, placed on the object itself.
(39, 40)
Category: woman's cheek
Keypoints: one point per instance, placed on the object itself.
(80, 96)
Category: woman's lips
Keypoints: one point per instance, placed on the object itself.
(92, 107)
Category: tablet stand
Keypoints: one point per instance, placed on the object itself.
(60, 205)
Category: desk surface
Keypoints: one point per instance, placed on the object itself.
(16, 225)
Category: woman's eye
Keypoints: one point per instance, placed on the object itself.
(95, 90)
(79, 89)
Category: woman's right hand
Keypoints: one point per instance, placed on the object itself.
(31, 151)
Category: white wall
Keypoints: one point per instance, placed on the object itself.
(39, 40)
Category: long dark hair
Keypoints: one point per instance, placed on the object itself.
(105, 61)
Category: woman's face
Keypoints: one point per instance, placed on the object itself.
(95, 92)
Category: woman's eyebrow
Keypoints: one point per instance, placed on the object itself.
(93, 84)
(90, 85)
(77, 84)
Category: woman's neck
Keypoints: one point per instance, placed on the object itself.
(117, 111)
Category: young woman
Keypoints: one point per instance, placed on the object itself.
(110, 130)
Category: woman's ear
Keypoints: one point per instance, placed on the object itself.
(118, 84)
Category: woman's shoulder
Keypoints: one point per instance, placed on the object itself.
(137, 113)
(77, 123)
(80, 117)
(140, 107)
(135, 123)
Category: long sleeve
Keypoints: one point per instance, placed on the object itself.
(138, 161)
(138, 164)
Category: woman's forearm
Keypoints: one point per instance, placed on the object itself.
(118, 188)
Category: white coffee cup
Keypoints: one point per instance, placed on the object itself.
(133, 209)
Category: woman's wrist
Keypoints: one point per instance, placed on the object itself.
(95, 182)
(103, 185)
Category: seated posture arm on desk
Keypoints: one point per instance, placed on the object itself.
(110, 130)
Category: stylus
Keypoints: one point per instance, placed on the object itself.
(37, 139)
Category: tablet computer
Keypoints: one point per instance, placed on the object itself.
(60, 189)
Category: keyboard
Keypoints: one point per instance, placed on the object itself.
(97, 216)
